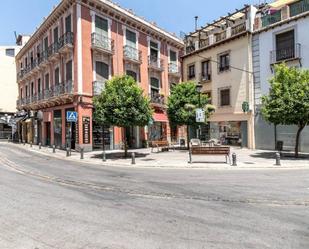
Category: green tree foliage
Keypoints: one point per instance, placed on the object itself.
(288, 100)
(122, 104)
(182, 103)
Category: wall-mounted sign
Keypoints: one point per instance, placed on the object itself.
(86, 130)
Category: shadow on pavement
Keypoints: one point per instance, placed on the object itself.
(119, 155)
(284, 155)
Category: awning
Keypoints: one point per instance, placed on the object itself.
(160, 117)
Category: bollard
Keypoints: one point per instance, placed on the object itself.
(234, 159)
(104, 156)
(24, 142)
(278, 163)
(40, 146)
(19, 141)
(133, 158)
(68, 151)
(31, 144)
(8, 139)
(54, 148)
(82, 153)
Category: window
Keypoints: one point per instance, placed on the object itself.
(132, 74)
(101, 26)
(68, 70)
(47, 81)
(27, 91)
(209, 97)
(224, 62)
(102, 71)
(285, 45)
(56, 34)
(32, 88)
(225, 97)
(39, 86)
(191, 71)
(45, 43)
(57, 76)
(10, 52)
(173, 56)
(155, 86)
(68, 24)
(154, 51)
(21, 92)
(130, 38)
(206, 72)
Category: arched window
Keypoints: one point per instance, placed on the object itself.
(132, 74)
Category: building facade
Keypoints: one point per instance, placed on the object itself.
(9, 92)
(219, 57)
(281, 35)
(79, 46)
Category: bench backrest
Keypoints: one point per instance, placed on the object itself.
(159, 143)
(210, 150)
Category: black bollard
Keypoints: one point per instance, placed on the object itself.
(68, 152)
(54, 148)
(82, 153)
(278, 162)
(234, 159)
(104, 156)
(40, 146)
(133, 158)
(31, 144)
(24, 142)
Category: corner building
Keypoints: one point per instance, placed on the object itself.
(67, 61)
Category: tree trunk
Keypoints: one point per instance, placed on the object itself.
(188, 137)
(300, 128)
(125, 142)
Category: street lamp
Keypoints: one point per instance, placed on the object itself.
(199, 87)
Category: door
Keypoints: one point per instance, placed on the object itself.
(57, 128)
(285, 45)
(56, 35)
(68, 24)
(47, 129)
(102, 71)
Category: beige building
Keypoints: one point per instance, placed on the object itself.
(219, 57)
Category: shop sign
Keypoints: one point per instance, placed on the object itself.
(86, 130)
(200, 115)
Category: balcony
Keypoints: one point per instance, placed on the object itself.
(157, 99)
(286, 54)
(238, 29)
(205, 77)
(155, 63)
(271, 18)
(132, 54)
(98, 87)
(66, 42)
(299, 8)
(173, 69)
(220, 36)
(102, 43)
(204, 42)
(53, 51)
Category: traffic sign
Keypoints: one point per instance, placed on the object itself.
(72, 117)
(200, 115)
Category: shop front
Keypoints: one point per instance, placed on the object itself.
(102, 136)
(232, 133)
(158, 127)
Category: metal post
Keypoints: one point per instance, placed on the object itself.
(82, 153)
(24, 142)
(68, 152)
(234, 159)
(19, 141)
(31, 144)
(104, 156)
(8, 139)
(54, 148)
(133, 158)
(278, 162)
(40, 146)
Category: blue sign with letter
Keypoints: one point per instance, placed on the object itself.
(72, 117)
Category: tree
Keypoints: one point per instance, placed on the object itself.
(122, 104)
(182, 103)
(288, 100)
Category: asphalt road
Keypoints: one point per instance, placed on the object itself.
(49, 203)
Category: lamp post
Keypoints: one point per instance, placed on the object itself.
(199, 87)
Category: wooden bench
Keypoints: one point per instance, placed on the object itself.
(159, 144)
(209, 151)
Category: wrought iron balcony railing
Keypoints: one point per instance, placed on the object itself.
(288, 53)
(66, 39)
(239, 29)
(133, 54)
(299, 7)
(271, 18)
(173, 68)
(102, 42)
(155, 63)
(156, 98)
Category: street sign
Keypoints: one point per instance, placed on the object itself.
(200, 115)
(72, 117)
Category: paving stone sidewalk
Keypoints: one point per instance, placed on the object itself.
(248, 159)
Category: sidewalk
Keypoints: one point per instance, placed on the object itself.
(246, 159)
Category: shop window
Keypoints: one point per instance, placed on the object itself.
(224, 62)
(225, 97)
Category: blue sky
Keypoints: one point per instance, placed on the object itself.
(23, 16)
